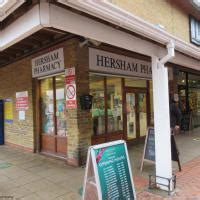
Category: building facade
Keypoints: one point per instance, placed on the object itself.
(81, 73)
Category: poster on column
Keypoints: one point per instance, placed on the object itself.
(112, 176)
(70, 88)
(22, 100)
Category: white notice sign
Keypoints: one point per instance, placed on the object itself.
(22, 115)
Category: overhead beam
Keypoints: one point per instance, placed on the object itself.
(31, 22)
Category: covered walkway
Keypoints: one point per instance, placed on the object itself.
(25, 175)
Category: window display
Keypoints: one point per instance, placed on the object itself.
(107, 106)
(98, 104)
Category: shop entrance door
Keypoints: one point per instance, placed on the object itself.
(53, 119)
(136, 114)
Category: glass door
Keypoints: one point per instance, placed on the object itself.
(142, 109)
(61, 126)
(131, 115)
(136, 114)
(53, 119)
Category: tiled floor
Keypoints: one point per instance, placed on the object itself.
(31, 176)
(28, 176)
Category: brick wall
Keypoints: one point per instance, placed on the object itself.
(79, 121)
(163, 12)
(16, 78)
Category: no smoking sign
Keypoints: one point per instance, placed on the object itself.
(71, 91)
(71, 96)
(70, 88)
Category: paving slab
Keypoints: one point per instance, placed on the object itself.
(29, 176)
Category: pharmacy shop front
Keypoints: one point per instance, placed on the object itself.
(121, 88)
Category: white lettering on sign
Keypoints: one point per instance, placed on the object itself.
(47, 64)
(102, 61)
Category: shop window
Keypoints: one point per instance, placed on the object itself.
(129, 82)
(181, 78)
(195, 30)
(98, 106)
(113, 101)
(194, 98)
(182, 91)
(114, 104)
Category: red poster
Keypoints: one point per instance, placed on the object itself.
(71, 102)
(22, 100)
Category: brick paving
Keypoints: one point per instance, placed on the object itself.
(188, 184)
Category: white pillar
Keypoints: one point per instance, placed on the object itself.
(161, 121)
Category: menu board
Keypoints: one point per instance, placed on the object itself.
(112, 171)
(150, 145)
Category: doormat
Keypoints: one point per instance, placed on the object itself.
(196, 139)
(5, 165)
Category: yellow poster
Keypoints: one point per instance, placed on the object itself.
(8, 111)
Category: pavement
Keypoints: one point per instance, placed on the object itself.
(28, 176)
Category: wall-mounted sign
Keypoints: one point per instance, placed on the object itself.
(22, 115)
(22, 100)
(49, 63)
(108, 173)
(70, 87)
(8, 111)
(106, 62)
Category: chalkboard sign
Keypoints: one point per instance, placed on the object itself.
(149, 147)
(112, 172)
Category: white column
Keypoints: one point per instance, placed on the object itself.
(161, 121)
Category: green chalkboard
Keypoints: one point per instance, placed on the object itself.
(114, 173)
(150, 145)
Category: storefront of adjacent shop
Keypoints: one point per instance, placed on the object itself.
(188, 86)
